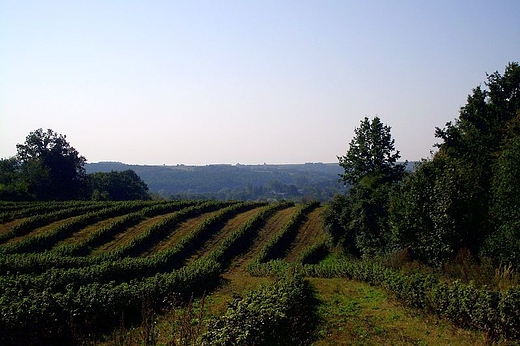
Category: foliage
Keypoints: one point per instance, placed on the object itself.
(496, 312)
(466, 196)
(117, 186)
(282, 313)
(361, 218)
(371, 153)
(49, 168)
(293, 182)
(277, 245)
(46, 317)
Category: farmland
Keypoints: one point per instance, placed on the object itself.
(72, 272)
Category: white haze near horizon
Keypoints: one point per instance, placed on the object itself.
(201, 82)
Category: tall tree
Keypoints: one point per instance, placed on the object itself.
(50, 168)
(371, 153)
(466, 195)
(118, 186)
(372, 170)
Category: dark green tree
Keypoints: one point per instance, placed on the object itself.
(372, 170)
(371, 154)
(503, 243)
(11, 188)
(117, 186)
(461, 198)
(48, 168)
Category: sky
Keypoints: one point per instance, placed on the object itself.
(250, 82)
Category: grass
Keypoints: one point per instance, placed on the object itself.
(356, 313)
(353, 313)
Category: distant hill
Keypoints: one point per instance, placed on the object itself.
(246, 182)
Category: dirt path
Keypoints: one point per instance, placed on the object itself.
(8, 226)
(83, 233)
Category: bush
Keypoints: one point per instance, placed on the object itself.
(282, 313)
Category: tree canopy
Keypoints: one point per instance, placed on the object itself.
(117, 186)
(371, 168)
(466, 196)
(46, 167)
(371, 153)
(465, 199)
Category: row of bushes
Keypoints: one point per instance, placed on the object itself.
(104, 234)
(497, 313)
(159, 230)
(278, 244)
(62, 256)
(240, 240)
(282, 313)
(41, 242)
(10, 211)
(114, 268)
(46, 217)
(44, 317)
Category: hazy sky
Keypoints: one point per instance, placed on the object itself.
(200, 82)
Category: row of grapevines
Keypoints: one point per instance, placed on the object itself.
(43, 219)
(44, 241)
(277, 245)
(158, 231)
(103, 234)
(316, 252)
(240, 240)
(17, 210)
(176, 255)
(43, 317)
(114, 268)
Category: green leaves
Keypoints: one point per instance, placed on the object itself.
(371, 153)
(282, 313)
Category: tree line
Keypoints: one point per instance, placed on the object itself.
(464, 198)
(46, 168)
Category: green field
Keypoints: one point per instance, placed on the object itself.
(184, 272)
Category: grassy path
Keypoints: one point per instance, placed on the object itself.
(39, 230)
(179, 232)
(272, 225)
(309, 233)
(7, 226)
(230, 226)
(355, 313)
(80, 235)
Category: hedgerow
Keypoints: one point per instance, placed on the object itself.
(45, 317)
(282, 313)
(496, 312)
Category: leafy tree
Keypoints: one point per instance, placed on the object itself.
(371, 153)
(465, 196)
(117, 186)
(503, 243)
(371, 169)
(48, 168)
(11, 187)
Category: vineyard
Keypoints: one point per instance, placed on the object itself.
(75, 271)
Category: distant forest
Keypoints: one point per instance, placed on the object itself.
(296, 182)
